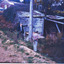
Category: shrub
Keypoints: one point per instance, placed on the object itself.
(10, 13)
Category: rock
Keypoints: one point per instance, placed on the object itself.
(1, 32)
(0, 41)
(8, 41)
(11, 47)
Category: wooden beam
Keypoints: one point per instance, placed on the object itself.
(55, 21)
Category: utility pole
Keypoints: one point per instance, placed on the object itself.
(31, 21)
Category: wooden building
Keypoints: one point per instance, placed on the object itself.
(38, 20)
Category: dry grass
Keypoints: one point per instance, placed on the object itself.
(13, 52)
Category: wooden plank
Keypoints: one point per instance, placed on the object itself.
(55, 17)
(55, 21)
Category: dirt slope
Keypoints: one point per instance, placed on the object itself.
(15, 53)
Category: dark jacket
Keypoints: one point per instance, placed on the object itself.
(18, 27)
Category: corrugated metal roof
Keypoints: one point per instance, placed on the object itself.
(27, 14)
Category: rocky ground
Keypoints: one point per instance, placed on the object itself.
(10, 52)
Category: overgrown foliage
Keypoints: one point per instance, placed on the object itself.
(10, 13)
(30, 59)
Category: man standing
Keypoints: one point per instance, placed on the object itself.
(22, 30)
(35, 41)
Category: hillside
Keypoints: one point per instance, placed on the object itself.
(18, 53)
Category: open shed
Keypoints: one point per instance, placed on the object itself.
(38, 20)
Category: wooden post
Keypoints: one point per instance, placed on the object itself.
(58, 28)
(42, 26)
(31, 21)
